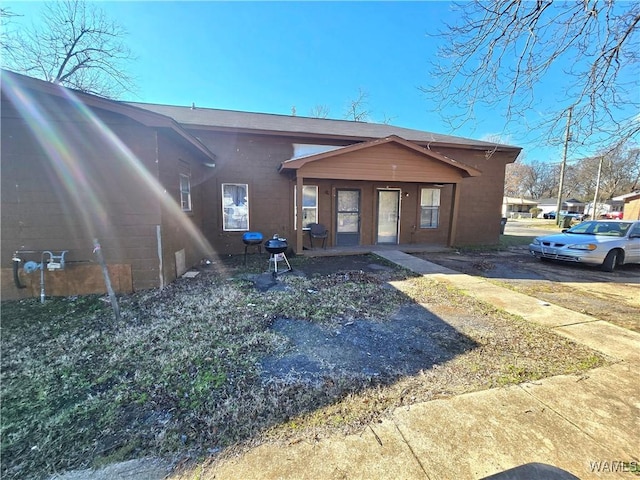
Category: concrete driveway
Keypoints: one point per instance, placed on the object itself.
(614, 297)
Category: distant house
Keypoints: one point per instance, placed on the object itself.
(548, 205)
(632, 206)
(516, 206)
(161, 186)
(625, 203)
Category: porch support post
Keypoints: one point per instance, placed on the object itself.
(299, 232)
(453, 220)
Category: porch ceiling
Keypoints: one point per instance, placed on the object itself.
(386, 159)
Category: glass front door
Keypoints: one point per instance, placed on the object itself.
(388, 216)
(347, 217)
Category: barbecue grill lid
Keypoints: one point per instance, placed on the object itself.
(252, 237)
(276, 245)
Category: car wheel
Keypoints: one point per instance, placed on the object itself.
(611, 261)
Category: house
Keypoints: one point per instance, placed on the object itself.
(160, 187)
(607, 208)
(625, 204)
(632, 206)
(515, 207)
(76, 168)
(548, 205)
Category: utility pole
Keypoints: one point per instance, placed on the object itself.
(595, 197)
(567, 137)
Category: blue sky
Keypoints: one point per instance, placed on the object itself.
(269, 57)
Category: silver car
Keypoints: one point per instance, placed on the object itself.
(608, 243)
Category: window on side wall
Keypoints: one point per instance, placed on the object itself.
(235, 206)
(185, 192)
(309, 205)
(429, 207)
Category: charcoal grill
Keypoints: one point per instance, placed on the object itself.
(276, 246)
(252, 239)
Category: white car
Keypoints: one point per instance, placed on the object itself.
(608, 243)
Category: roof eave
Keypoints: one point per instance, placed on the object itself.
(352, 138)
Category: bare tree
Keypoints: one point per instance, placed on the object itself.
(542, 180)
(387, 120)
(588, 176)
(515, 179)
(357, 109)
(572, 188)
(5, 20)
(533, 179)
(620, 171)
(78, 46)
(620, 174)
(498, 53)
(319, 111)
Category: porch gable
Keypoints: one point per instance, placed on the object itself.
(388, 159)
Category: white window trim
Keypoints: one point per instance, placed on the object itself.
(187, 192)
(432, 207)
(295, 204)
(224, 226)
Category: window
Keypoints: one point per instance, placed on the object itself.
(185, 192)
(235, 206)
(309, 205)
(429, 207)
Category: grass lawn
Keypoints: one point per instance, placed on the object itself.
(180, 375)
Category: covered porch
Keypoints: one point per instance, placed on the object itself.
(372, 195)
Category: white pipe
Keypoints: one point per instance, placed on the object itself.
(42, 275)
(160, 266)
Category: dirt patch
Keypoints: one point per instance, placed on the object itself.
(361, 351)
(614, 297)
(412, 340)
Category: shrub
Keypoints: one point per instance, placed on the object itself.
(535, 211)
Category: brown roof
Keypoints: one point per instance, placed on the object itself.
(267, 123)
(180, 118)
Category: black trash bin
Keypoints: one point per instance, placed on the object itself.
(503, 223)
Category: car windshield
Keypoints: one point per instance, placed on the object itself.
(610, 229)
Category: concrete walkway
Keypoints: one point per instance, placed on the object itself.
(564, 427)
